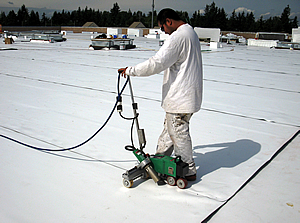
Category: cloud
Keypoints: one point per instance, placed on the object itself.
(293, 14)
(201, 11)
(265, 14)
(11, 3)
(243, 9)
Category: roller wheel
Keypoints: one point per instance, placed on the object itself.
(182, 183)
(127, 183)
(171, 181)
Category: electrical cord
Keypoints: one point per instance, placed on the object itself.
(86, 141)
(120, 109)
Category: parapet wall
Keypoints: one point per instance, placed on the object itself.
(74, 29)
(98, 29)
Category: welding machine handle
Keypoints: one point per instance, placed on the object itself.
(122, 71)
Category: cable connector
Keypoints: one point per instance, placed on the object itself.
(135, 106)
(119, 105)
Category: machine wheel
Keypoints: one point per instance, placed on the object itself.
(182, 183)
(127, 183)
(171, 181)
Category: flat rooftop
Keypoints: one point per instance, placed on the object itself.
(245, 137)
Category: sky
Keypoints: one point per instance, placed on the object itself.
(258, 7)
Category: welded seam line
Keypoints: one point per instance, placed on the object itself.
(253, 175)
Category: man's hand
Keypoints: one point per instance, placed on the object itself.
(122, 72)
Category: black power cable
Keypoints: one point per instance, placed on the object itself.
(120, 109)
(81, 144)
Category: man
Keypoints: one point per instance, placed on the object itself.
(180, 59)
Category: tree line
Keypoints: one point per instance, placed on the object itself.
(212, 17)
(215, 17)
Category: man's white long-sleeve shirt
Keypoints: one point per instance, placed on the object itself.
(180, 59)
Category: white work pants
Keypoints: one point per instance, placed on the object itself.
(176, 136)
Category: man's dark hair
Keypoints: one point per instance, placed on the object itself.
(167, 13)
